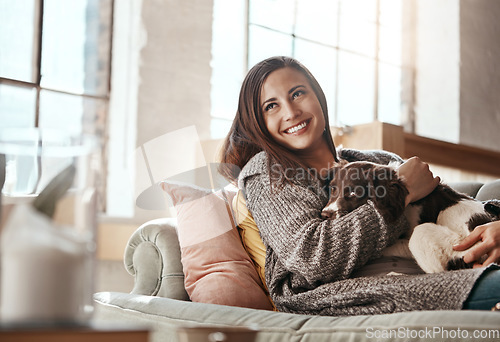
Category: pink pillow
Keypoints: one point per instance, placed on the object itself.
(217, 269)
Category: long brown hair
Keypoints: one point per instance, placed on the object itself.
(249, 135)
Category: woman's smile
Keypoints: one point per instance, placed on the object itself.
(298, 129)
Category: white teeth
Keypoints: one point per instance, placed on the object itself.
(296, 128)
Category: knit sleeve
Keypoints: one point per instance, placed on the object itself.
(313, 250)
(374, 156)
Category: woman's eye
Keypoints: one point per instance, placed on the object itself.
(298, 93)
(270, 106)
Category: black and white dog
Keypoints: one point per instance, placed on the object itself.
(438, 221)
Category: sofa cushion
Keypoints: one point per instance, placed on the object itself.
(216, 267)
(165, 314)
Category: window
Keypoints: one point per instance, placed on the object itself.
(353, 47)
(55, 64)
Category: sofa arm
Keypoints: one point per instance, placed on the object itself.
(152, 256)
(490, 190)
(478, 190)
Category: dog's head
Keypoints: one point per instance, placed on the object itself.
(492, 207)
(353, 184)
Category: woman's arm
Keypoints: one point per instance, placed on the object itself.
(311, 248)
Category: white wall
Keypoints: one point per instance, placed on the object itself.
(174, 70)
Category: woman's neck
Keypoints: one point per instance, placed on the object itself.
(320, 159)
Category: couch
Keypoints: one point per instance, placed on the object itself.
(159, 300)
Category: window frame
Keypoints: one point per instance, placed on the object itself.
(36, 77)
(36, 84)
(407, 79)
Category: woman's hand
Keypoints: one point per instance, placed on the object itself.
(487, 237)
(418, 178)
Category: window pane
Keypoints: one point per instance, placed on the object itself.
(16, 39)
(391, 31)
(265, 43)
(360, 10)
(275, 14)
(74, 113)
(17, 106)
(61, 110)
(357, 36)
(356, 89)
(219, 128)
(75, 59)
(391, 13)
(358, 26)
(389, 101)
(321, 61)
(317, 20)
(228, 57)
(390, 45)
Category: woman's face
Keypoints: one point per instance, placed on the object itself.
(291, 110)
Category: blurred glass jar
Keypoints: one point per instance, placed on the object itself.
(49, 211)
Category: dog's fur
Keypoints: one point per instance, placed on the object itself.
(438, 221)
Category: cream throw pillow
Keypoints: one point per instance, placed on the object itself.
(216, 267)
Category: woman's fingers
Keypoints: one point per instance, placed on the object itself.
(483, 241)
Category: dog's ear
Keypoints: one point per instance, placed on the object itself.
(330, 174)
(389, 193)
(492, 207)
(334, 171)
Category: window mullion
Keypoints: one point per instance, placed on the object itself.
(294, 25)
(37, 55)
(37, 41)
(377, 49)
(247, 35)
(336, 96)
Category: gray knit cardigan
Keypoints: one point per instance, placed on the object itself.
(310, 261)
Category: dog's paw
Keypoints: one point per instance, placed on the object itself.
(457, 264)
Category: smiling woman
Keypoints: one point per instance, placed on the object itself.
(289, 108)
(314, 265)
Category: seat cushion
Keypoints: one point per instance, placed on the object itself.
(164, 315)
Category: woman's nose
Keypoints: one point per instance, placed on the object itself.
(291, 111)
